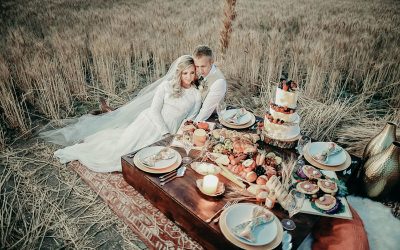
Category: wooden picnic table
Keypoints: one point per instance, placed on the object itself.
(182, 202)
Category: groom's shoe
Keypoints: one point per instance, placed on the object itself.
(103, 105)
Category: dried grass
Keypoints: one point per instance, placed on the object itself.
(354, 136)
(113, 50)
(45, 205)
(2, 139)
(321, 120)
(12, 107)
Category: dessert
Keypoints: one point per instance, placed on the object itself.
(307, 187)
(309, 172)
(328, 186)
(326, 202)
(199, 137)
(282, 121)
(262, 180)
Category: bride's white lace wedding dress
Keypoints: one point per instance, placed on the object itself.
(102, 151)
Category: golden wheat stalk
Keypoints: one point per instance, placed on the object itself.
(14, 109)
(226, 31)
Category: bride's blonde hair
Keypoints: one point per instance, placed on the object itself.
(183, 63)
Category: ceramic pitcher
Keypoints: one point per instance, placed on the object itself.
(382, 171)
(381, 141)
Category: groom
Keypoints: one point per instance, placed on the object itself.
(212, 81)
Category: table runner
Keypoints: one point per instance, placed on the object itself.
(146, 221)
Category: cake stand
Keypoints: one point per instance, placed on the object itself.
(281, 143)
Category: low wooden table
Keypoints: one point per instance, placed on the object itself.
(183, 203)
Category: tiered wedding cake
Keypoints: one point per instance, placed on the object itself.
(282, 121)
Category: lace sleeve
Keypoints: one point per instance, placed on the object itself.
(156, 107)
(196, 108)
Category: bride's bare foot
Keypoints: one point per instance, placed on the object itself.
(103, 105)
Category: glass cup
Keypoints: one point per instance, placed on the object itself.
(221, 108)
(187, 141)
(301, 144)
(293, 204)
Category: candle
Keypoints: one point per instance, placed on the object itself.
(210, 184)
(199, 137)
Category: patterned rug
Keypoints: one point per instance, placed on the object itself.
(146, 221)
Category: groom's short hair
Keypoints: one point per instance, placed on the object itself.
(203, 50)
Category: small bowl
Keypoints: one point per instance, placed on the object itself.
(205, 168)
(220, 188)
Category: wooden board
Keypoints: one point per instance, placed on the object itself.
(346, 214)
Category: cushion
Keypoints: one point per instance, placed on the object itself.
(334, 233)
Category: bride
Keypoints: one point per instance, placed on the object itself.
(166, 103)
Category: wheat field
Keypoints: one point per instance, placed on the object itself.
(58, 56)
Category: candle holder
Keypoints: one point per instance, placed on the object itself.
(213, 188)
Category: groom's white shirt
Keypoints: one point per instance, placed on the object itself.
(215, 95)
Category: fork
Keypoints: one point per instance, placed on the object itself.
(180, 173)
(227, 204)
(170, 174)
(232, 203)
(131, 155)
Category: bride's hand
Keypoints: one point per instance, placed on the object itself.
(165, 136)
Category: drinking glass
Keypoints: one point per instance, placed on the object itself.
(205, 148)
(301, 144)
(187, 141)
(293, 204)
(221, 108)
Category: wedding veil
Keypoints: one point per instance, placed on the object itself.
(77, 129)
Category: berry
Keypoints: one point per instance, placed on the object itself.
(259, 170)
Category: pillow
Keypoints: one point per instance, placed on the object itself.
(334, 233)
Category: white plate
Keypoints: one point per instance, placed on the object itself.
(334, 160)
(154, 150)
(242, 120)
(242, 212)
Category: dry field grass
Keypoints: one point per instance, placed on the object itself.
(57, 57)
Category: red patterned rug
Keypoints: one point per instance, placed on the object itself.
(152, 227)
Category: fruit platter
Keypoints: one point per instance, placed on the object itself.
(325, 193)
(238, 153)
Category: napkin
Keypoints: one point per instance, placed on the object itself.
(245, 230)
(236, 116)
(332, 149)
(163, 154)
